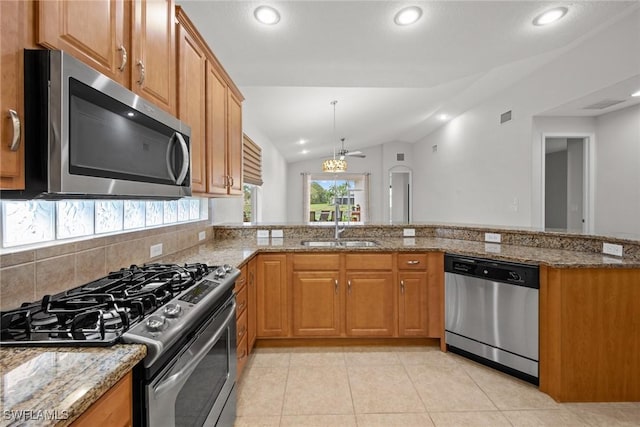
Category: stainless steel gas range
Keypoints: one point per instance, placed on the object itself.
(185, 315)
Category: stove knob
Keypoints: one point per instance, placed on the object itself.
(220, 272)
(227, 268)
(155, 323)
(172, 310)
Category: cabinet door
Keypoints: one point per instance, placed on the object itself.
(251, 301)
(371, 302)
(272, 299)
(153, 52)
(95, 32)
(216, 132)
(114, 408)
(234, 144)
(412, 304)
(316, 303)
(192, 72)
(13, 20)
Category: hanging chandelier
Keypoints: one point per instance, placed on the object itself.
(334, 165)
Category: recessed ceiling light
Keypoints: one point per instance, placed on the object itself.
(551, 15)
(305, 151)
(302, 141)
(636, 94)
(266, 15)
(408, 15)
(443, 117)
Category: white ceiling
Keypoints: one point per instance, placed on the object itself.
(390, 82)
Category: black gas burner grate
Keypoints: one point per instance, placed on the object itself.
(99, 312)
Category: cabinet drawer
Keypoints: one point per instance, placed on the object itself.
(316, 262)
(242, 355)
(241, 300)
(241, 327)
(369, 262)
(242, 279)
(412, 261)
(114, 408)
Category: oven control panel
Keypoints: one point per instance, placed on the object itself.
(198, 292)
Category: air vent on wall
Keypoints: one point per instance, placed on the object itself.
(505, 117)
(400, 157)
(601, 105)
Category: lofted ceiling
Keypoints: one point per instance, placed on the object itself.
(391, 82)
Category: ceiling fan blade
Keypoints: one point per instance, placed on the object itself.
(356, 154)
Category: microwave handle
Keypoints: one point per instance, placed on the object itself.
(185, 159)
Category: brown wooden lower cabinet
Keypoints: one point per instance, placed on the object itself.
(590, 334)
(316, 303)
(113, 409)
(272, 299)
(370, 307)
(413, 314)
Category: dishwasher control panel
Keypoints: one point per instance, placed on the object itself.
(499, 271)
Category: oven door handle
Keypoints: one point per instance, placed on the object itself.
(187, 369)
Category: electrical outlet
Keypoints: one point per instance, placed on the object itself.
(492, 237)
(155, 250)
(409, 232)
(202, 235)
(277, 233)
(262, 234)
(612, 249)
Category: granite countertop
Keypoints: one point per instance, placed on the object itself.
(52, 386)
(237, 252)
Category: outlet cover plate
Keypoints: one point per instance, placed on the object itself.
(155, 250)
(409, 232)
(202, 235)
(492, 237)
(277, 233)
(612, 249)
(262, 234)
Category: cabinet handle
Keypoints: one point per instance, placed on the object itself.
(15, 120)
(230, 181)
(241, 306)
(142, 72)
(336, 286)
(349, 286)
(124, 57)
(413, 262)
(242, 355)
(402, 286)
(241, 333)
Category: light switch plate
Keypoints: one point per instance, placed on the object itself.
(202, 235)
(409, 232)
(612, 249)
(277, 233)
(155, 250)
(262, 234)
(492, 237)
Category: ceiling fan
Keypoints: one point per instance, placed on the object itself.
(344, 152)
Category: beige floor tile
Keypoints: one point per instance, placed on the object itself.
(544, 418)
(330, 357)
(381, 389)
(430, 356)
(446, 389)
(394, 420)
(261, 391)
(257, 421)
(317, 390)
(371, 357)
(607, 414)
(469, 419)
(507, 392)
(319, 420)
(270, 358)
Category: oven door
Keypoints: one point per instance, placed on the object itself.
(198, 389)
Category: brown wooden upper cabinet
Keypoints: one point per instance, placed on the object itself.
(130, 41)
(16, 19)
(211, 104)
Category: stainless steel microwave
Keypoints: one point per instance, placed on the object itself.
(88, 136)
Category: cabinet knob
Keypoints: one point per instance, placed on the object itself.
(15, 140)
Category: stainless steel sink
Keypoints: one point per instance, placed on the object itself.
(339, 243)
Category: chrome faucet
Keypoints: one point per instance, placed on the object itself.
(336, 217)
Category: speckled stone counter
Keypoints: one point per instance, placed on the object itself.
(53, 386)
(237, 251)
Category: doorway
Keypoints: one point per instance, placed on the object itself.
(566, 183)
(399, 195)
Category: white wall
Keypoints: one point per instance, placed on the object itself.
(617, 210)
(371, 164)
(484, 172)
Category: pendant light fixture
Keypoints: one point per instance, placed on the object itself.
(334, 165)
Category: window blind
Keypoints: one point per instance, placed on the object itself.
(251, 162)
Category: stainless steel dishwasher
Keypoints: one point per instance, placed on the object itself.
(491, 313)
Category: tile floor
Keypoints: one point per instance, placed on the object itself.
(400, 386)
